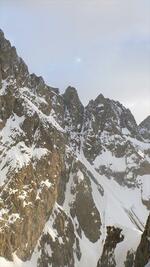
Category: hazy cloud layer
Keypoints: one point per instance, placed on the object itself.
(98, 46)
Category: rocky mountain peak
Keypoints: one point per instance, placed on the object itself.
(1, 34)
(4, 44)
(145, 123)
(144, 128)
(112, 115)
(70, 90)
(71, 97)
(104, 116)
(74, 108)
(100, 98)
(10, 64)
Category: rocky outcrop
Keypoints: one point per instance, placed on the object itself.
(144, 128)
(62, 242)
(73, 116)
(11, 66)
(74, 107)
(143, 250)
(27, 202)
(129, 262)
(113, 237)
(88, 218)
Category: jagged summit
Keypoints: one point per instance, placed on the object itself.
(145, 123)
(11, 64)
(3, 39)
(74, 180)
(99, 98)
(144, 128)
(74, 108)
(71, 97)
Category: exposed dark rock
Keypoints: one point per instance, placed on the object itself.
(143, 251)
(84, 208)
(61, 245)
(144, 128)
(74, 107)
(129, 259)
(113, 237)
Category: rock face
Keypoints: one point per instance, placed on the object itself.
(74, 107)
(31, 165)
(143, 250)
(74, 180)
(112, 239)
(104, 116)
(144, 128)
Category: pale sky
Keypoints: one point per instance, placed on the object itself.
(97, 46)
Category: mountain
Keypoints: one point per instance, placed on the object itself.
(74, 180)
(144, 128)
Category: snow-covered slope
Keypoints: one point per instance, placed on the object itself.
(74, 180)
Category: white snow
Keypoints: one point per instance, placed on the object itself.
(90, 253)
(121, 207)
(110, 161)
(80, 175)
(32, 108)
(18, 263)
(125, 131)
(19, 156)
(14, 217)
(131, 240)
(4, 87)
(120, 200)
(46, 183)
